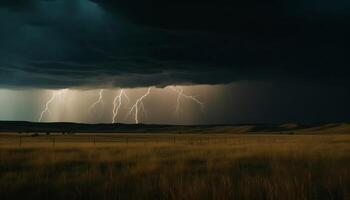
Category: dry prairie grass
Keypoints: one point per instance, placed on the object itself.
(195, 167)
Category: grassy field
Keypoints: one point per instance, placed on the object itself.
(167, 166)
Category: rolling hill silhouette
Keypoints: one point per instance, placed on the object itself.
(65, 127)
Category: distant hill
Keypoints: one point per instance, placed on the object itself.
(62, 127)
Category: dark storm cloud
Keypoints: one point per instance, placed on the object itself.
(71, 43)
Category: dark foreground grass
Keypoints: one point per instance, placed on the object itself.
(243, 167)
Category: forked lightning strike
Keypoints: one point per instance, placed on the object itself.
(99, 101)
(181, 94)
(47, 104)
(135, 108)
(117, 103)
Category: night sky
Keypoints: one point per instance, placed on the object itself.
(248, 61)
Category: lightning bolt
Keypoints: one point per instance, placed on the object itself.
(117, 103)
(181, 94)
(99, 101)
(55, 95)
(139, 103)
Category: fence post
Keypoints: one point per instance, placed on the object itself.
(20, 141)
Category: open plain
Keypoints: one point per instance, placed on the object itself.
(175, 166)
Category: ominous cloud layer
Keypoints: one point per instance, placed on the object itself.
(89, 43)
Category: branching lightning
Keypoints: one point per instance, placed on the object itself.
(139, 103)
(55, 95)
(119, 100)
(181, 94)
(99, 101)
(117, 103)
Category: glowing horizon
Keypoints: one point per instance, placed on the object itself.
(57, 105)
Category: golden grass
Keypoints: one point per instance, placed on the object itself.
(191, 167)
